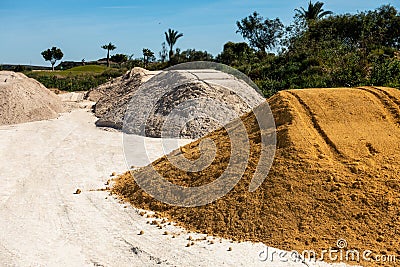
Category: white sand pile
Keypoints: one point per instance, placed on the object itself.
(23, 99)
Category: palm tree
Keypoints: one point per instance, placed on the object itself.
(109, 48)
(314, 12)
(171, 37)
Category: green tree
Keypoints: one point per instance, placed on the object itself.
(190, 55)
(261, 33)
(235, 54)
(381, 27)
(52, 55)
(363, 32)
(172, 36)
(195, 55)
(163, 53)
(109, 47)
(119, 59)
(314, 12)
(148, 56)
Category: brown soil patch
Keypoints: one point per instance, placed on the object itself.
(335, 175)
(23, 99)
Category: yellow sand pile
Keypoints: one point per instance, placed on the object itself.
(336, 175)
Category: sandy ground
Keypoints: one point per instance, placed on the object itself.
(43, 223)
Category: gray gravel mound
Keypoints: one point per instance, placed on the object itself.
(188, 103)
(113, 97)
(175, 103)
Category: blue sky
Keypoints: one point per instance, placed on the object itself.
(80, 27)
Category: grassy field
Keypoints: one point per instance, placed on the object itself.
(88, 68)
(80, 78)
